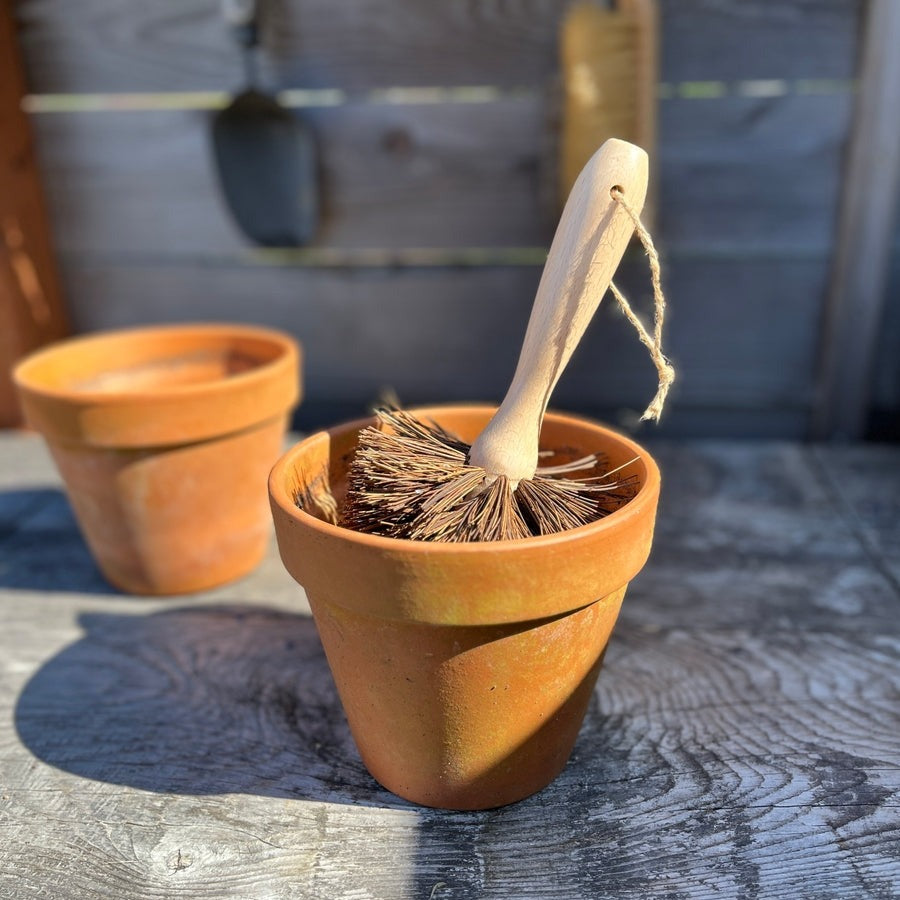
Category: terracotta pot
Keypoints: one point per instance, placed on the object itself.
(465, 670)
(164, 437)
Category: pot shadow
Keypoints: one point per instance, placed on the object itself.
(198, 701)
(567, 840)
(239, 699)
(41, 547)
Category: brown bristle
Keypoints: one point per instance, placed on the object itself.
(410, 479)
(314, 497)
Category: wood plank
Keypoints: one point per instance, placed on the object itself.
(733, 177)
(102, 45)
(31, 307)
(755, 747)
(253, 794)
(865, 245)
(763, 423)
(868, 488)
(410, 329)
(736, 39)
(720, 335)
(734, 744)
(763, 507)
(752, 173)
(393, 176)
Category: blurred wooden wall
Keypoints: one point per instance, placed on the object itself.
(754, 114)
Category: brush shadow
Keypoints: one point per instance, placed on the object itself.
(198, 701)
(41, 547)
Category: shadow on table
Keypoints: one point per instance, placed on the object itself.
(238, 699)
(197, 700)
(41, 548)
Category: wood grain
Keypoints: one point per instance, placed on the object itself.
(745, 180)
(732, 173)
(408, 330)
(869, 491)
(154, 206)
(761, 509)
(102, 45)
(735, 39)
(143, 183)
(739, 746)
(732, 177)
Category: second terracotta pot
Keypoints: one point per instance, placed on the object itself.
(164, 437)
(465, 670)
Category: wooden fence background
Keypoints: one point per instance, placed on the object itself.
(436, 126)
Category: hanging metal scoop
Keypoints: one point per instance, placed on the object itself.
(265, 154)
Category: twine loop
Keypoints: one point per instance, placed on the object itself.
(665, 371)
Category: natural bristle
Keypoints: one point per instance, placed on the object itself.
(314, 497)
(410, 479)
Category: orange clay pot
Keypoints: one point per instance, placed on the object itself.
(465, 670)
(164, 437)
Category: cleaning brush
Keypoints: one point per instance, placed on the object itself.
(412, 479)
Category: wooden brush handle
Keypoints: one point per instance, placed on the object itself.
(591, 238)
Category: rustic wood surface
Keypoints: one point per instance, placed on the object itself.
(755, 102)
(742, 742)
(416, 343)
(140, 185)
(103, 45)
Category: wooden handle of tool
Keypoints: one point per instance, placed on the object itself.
(591, 238)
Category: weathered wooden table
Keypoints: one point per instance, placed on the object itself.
(744, 740)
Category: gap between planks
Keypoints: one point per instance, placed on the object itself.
(405, 96)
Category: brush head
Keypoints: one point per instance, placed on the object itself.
(412, 479)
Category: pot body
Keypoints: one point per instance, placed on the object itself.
(465, 670)
(164, 437)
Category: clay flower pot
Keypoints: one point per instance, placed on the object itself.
(164, 437)
(465, 670)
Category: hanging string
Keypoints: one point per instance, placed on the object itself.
(664, 369)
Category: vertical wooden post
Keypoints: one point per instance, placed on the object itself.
(865, 234)
(31, 308)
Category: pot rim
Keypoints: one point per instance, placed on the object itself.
(169, 413)
(21, 371)
(634, 508)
